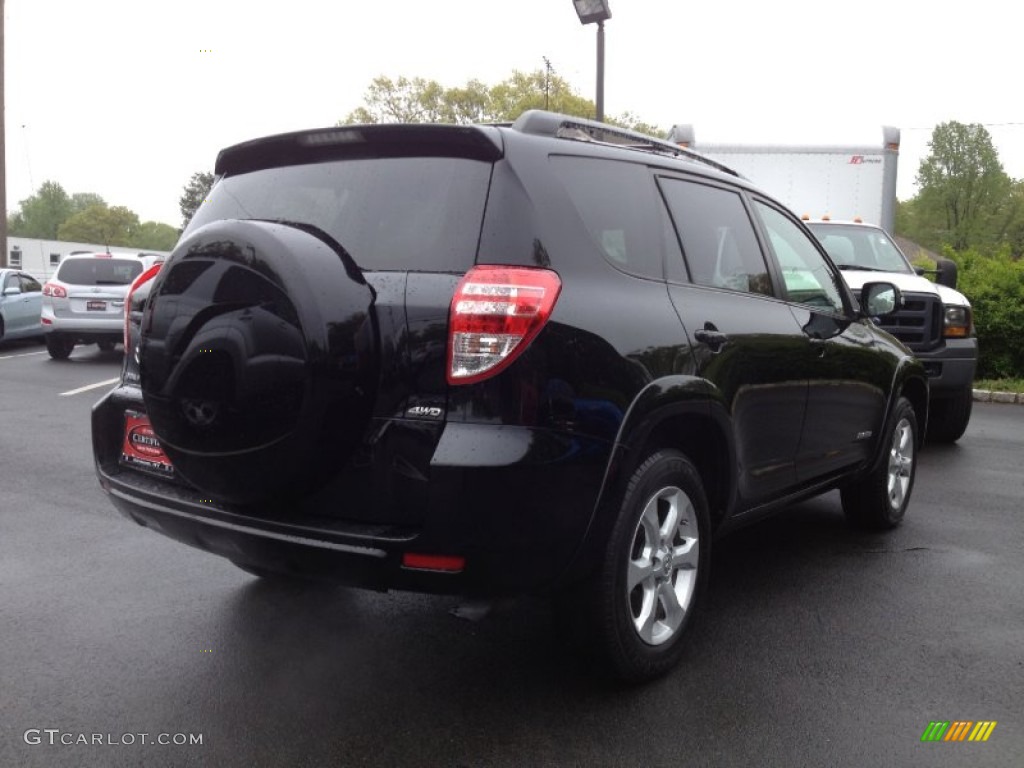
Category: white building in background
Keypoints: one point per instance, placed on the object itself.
(40, 258)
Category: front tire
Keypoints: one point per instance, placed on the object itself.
(59, 346)
(948, 417)
(654, 571)
(879, 499)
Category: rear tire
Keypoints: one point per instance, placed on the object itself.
(655, 568)
(878, 500)
(59, 346)
(948, 417)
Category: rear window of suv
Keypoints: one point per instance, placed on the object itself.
(409, 213)
(99, 271)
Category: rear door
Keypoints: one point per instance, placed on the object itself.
(19, 307)
(32, 304)
(747, 342)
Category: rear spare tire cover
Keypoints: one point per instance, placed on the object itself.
(259, 359)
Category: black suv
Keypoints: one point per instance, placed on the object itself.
(541, 357)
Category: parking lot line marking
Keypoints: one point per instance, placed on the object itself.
(106, 383)
(23, 354)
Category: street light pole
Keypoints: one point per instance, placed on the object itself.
(590, 12)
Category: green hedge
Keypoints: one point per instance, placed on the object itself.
(994, 284)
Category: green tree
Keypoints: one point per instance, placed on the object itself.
(193, 194)
(102, 225)
(539, 89)
(962, 186)
(41, 214)
(1010, 220)
(82, 200)
(418, 100)
(154, 236)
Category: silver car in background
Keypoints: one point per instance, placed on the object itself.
(20, 305)
(83, 303)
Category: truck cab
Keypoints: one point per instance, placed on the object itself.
(935, 321)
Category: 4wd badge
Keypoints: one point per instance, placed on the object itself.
(424, 412)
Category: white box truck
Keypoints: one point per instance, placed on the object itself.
(828, 181)
(836, 189)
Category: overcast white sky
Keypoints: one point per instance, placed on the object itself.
(127, 98)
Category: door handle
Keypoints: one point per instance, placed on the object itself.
(711, 336)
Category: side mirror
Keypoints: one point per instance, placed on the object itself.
(947, 273)
(880, 299)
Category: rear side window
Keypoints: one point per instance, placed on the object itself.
(99, 271)
(410, 213)
(618, 204)
(717, 236)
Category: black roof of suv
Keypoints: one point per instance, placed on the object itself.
(550, 356)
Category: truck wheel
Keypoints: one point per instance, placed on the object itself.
(948, 417)
(878, 499)
(59, 346)
(654, 571)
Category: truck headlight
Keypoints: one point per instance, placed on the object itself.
(957, 323)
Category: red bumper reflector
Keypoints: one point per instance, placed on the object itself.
(450, 563)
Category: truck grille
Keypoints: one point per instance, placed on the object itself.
(919, 323)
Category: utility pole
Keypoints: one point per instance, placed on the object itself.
(547, 82)
(600, 72)
(3, 148)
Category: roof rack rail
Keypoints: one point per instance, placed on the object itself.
(541, 123)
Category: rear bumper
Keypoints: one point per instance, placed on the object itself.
(514, 502)
(81, 327)
(345, 554)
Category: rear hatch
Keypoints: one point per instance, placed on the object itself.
(292, 351)
(95, 287)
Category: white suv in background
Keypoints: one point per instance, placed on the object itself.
(83, 303)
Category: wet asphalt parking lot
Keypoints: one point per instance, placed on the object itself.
(819, 646)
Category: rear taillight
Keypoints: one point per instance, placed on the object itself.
(495, 313)
(139, 281)
(54, 290)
